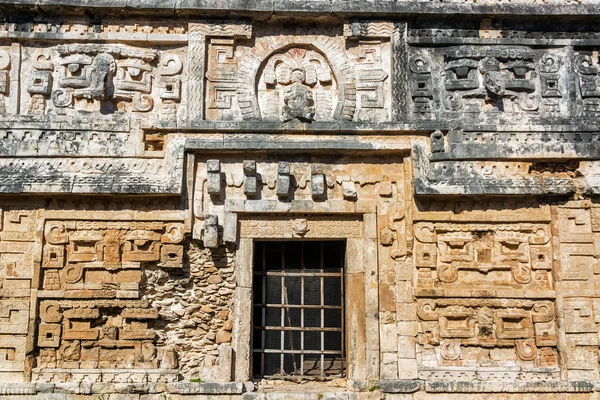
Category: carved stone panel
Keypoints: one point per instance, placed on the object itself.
(579, 253)
(5, 78)
(319, 184)
(498, 259)
(587, 70)
(488, 80)
(102, 78)
(321, 227)
(297, 84)
(90, 303)
(301, 78)
(485, 339)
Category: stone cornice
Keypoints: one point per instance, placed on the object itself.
(342, 8)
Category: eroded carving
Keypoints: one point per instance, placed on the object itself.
(298, 85)
(492, 78)
(94, 269)
(473, 333)
(519, 255)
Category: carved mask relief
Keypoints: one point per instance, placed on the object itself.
(83, 77)
(490, 78)
(105, 78)
(297, 84)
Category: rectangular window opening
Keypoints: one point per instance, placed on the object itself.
(298, 309)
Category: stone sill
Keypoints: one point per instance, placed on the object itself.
(412, 386)
(476, 185)
(244, 142)
(86, 388)
(245, 388)
(206, 388)
(512, 387)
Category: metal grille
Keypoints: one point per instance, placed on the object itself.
(298, 309)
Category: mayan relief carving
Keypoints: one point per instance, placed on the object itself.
(421, 84)
(171, 67)
(271, 184)
(296, 84)
(486, 291)
(312, 74)
(302, 78)
(372, 55)
(578, 226)
(123, 173)
(226, 70)
(415, 197)
(490, 339)
(16, 277)
(105, 79)
(41, 82)
(5, 58)
(221, 72)
(302, 227)
(586, 66)
(483, 256)
(101, 321)
(510, 80)
(496, 79)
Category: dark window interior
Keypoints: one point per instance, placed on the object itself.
(298, 313)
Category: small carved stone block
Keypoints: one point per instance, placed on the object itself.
(437, 142)
(211, 232)
(250, 180)
(385, 189)
(54, 256)
(41, 83)
(283, 179)
(3, 82)
(213, 169)
(49, 335)
(349, 190)
(318, 185)
(171, 256)
(171, 88)
(50, 312)
(386, 236)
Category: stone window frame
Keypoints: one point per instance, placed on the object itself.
(361, 276)
(307, 303)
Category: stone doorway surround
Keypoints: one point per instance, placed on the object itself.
(361, 277)
(362, 204)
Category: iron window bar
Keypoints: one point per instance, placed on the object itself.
(283, 349)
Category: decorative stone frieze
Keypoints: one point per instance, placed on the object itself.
(449, 151)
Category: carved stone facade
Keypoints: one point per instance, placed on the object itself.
(148, 148)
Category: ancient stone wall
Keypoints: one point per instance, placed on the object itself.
(146, 147)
